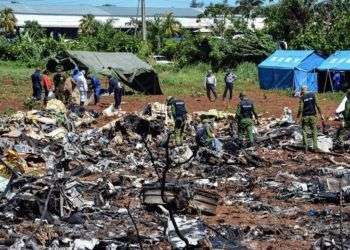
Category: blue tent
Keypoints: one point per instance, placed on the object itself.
(340, 60)
(290, 69)
(337, 62)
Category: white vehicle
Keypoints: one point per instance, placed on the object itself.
(161, 60)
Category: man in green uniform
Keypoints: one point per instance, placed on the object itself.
(177, 110)
(59, 79)
(244, 116)
(205, 134)
(307, 110)
(345, 128)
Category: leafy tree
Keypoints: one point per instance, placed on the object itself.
(34, 29)
(252, 46)
(155, 35)
(170, 26)
(286, 19)
(163, 27)
(8, 21)
(249, 8)
(88, 25)
(221, 14)
(326, 35)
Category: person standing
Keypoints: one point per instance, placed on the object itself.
(96, 86)
(345, 126)
(210, 85)
(230, 77)
(244, 115)
(308, 107)
(36, 84)
(116, 87)
(59, 79)
(81, 83)
(48, 86)
(177, 110)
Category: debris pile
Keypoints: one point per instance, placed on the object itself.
(67, 181)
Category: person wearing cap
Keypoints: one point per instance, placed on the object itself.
(96, 86)
(308, 108)
(345, 126)
(59, 79)
(115, 87)
(177, 110)
(210, 85)
(230, 77)
(36, 84)
(244, 116)
(48, 85)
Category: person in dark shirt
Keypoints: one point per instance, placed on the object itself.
(59, 79)
(244, 115)
(308, 107)
(177, 110)
(36, 84)
(115, 87)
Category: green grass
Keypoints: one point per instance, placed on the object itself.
(15, 81)
(329, 96)
(190, 79)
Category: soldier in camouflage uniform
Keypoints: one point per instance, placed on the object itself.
(177, 110)
(308, 107)
(244, 116)
(59, 79)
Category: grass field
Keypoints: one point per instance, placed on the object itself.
(15, 83)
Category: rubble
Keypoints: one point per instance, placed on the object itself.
(69, 182)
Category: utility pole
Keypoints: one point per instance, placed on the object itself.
(143, 13)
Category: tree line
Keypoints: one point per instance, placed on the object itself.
(302, 24)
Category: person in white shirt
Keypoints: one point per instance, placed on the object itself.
(210, 85)
(81, 82)
(230, 77)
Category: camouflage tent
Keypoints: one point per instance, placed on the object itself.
(130, 69)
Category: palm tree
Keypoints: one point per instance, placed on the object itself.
(170, 25)
(8, 21)
(88, 25)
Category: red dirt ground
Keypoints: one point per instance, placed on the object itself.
(268, 104)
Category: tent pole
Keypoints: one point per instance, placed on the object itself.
(325, 83)
(331, 82)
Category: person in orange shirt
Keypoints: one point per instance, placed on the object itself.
(48, 85)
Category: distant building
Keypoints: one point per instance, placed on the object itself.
(65, 19)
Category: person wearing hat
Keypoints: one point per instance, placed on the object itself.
(210, 85)
(244, 116)
(59, 79)
(345, 126)
(308, 108)
(177, 110)
(36, 84)
(230, 77)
